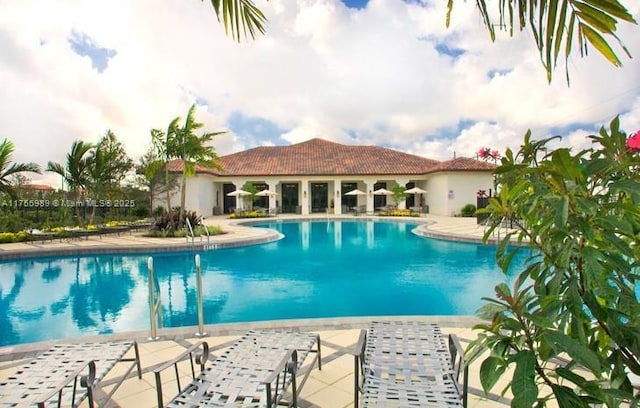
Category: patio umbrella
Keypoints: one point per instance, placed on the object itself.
(415, 190)
(382, 191)
(238, 193)
(355, 192)
(266, 193)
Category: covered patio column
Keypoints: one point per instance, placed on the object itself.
(369, 190)
(403, 204)
(306, 196)
(337, 201)
(273, 199)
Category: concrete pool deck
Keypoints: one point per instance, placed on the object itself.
(332, 387)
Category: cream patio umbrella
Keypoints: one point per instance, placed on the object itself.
(239, 193)
(382, 191)
(355, 192)
(416, 190)
(266, 193)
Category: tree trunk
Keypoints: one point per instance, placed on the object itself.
(166, 180)
(183, 194)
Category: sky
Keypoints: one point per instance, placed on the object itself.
(377, 72)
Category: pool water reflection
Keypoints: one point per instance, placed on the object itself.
(319, 269)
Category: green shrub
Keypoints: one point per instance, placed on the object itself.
(141, 211)
(468, 210)
(9, 237)
(566, 329)
(13, 223)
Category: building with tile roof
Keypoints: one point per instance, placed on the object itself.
(316, 176)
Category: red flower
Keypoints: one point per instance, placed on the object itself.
(495, 154)
(633, 142)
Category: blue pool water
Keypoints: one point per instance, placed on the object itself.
(319, 269)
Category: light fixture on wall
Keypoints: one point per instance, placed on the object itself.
(338, 193)
(304, 193)
(370, 193)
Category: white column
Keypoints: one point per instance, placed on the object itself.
(369, 191)
(403, 204)
(272, 198)
(337, 201)
(306, 196)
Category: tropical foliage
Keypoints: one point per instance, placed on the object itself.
(569, 324)
(240, 17)
(75, 172)
(154, 177)
(181, 142)
(557, 25)
(10, 170)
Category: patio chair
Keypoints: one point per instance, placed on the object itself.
(255, 371)
(67, 374)
(407, 364)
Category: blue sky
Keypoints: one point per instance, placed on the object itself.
(379, 72)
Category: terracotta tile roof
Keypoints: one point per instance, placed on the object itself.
(175, 166)
(462, 164)
(322, 157)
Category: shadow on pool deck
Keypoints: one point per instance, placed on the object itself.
(332, 387)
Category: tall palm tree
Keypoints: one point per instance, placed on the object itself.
(76, 172)
(9, 169)
(192, 150)
(163, 142)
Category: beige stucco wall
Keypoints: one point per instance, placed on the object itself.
(449, 192)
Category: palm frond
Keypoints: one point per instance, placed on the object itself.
(552, 23)
(241, 18)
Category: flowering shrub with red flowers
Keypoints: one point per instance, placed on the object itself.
(485, 153)
(633, 142)
(576, 299)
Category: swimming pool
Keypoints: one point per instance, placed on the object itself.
(319, 269)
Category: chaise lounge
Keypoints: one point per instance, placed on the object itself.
(67, 374)
(257, 370)
(409, 364)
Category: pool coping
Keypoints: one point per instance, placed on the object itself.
(30, 350)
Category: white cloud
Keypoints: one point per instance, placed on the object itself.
(368, 76)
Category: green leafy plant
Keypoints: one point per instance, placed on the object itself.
(469, 210)
(570, 324)
(399, 194)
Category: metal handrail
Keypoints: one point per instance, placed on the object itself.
(201, 332)
(155, 302)
(206, 230)
(188, 223)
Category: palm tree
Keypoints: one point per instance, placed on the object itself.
(9, 169)
(76, 172)
(153, 175)
(192, 150)
(163, 142)
(556, 25)
(108, 165)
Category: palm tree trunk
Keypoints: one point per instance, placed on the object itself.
(183, 194)
(167, 185)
